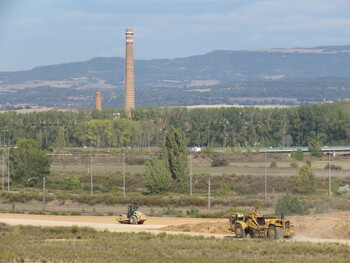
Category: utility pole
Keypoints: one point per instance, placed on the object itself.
(265, 178)
(3, 171)
(191, 173)
(3, 162)
(329, 175)
(91, 179)
(209, 196)
(8, 168)
(44, 188)
(124, 172)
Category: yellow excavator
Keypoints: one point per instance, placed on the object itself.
(134, 216)
(266, 226)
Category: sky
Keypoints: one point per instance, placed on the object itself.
(46, 32)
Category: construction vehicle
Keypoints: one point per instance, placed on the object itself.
(134, 216)
(265, 226)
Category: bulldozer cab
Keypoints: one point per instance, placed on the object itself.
(132, 209)
(236, 217)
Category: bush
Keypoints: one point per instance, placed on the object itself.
(305, 180)
(344, 190)
(219, 161)
(136, 161)
(308, 162)
(73, 183)
(290, 205)
(224, 189)
(333, 167)
(192, 212)
(315, 148)
(297, 155)
(273, 164)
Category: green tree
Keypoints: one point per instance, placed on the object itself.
(61, 140)
(28, 163)
(157, 177)
(290, 205)
(305, 180)
(175, 154)
(298, 155)
(315, 148)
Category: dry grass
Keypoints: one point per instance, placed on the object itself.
(34, 244)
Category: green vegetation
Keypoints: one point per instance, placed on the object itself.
(175, 153)
(305, 180)
(333, 167)
(290, 204)
(273, 164)
(35, 244)
(73, 183)
(28, 163)
(315, 148)
(219, 161)
(298, 155)
(61, 140)
(157, 177)
(220, 127)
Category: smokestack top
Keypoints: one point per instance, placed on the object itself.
(129, 31)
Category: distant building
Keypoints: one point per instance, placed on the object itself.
(98, 101)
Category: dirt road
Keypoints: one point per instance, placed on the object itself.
(333, 227)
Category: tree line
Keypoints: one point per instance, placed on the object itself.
(327, 123)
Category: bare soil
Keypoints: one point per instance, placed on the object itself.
(332, 227)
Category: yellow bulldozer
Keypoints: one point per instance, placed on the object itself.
(265, 226)
(134, 216)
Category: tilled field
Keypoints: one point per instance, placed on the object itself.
(332, 227)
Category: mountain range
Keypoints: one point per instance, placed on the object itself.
(271, 76)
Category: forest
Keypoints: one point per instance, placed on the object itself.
(329, 123)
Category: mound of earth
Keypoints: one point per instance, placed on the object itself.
(332, 225)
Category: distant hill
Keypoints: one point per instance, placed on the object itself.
(262, 69)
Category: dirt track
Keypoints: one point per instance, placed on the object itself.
(334, 227)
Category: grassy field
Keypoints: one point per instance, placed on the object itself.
(240, 184)
(238, 168)
(73, 244)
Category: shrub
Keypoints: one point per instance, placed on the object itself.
(297, 155)
(224, 189)
(290, 205)
(73, 183)
(305, 180)
(192, 212)
(273, 164)
(333, 167)
(315, 148)
(308, 162)
(136, 161)
(219, 161)
(344, 190)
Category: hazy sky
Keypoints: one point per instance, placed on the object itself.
(43, 32)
